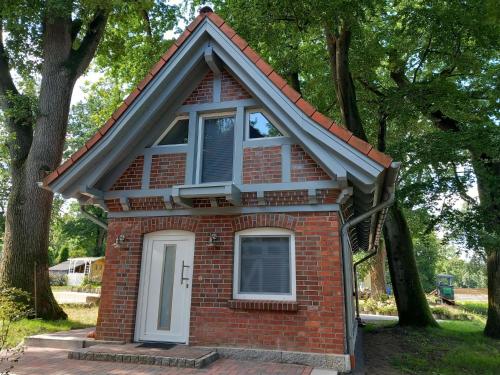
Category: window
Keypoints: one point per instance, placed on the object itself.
(259, 126)
(217, 149)
(264, 265)
(176, 134)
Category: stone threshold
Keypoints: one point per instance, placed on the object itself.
(178, 356)
(337, 362)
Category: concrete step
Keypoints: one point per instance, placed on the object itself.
(178, 356)
(73, 339)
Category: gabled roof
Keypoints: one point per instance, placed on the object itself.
(305, 107)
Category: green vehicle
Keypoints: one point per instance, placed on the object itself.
(444, 287)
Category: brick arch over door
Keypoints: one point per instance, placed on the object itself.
(265, 220)
(155, 224)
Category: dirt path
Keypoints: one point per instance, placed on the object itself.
(380, 346)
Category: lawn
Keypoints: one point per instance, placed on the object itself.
(79, 316)
(458, 347)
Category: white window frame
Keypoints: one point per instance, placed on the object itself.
(270, 119)
(169, 127)
(199, 157)
(262, 232)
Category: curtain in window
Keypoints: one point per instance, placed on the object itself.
(265, 265)
(218, 145)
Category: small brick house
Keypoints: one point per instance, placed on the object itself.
(233, 205)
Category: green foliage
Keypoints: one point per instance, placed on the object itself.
(57, 279)
(387, 306)
(74, 234)
(14, 306)
(63, 255)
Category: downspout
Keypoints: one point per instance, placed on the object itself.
(375, 248)
(93, 218)
(348, 268)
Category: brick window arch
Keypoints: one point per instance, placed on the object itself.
(156, 224)
(264, 220)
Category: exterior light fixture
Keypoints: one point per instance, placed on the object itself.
(119, 240)
(213, 239)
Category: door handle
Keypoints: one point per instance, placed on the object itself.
(182, 273)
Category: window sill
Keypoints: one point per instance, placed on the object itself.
(240, 304)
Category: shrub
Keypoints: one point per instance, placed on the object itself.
(58, 279)
(14, 306)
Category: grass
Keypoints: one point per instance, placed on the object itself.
(79, 316)
(476, 307)
(457, 347)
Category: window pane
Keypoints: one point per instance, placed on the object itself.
(218, 144)
(265, 265)
(167, 287)
(177, 135)
(261, 127)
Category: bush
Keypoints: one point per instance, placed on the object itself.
(58, 279)
(14, 306)
(90, 283)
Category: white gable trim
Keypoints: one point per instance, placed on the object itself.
(160, 100)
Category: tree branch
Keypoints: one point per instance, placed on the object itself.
(19, 119)
(461, 188)
(81, 58)
(442, 121)
(145, 17)
(371, 87)
(422, 59)
(7, 86)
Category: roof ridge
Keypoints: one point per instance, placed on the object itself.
(295, 97)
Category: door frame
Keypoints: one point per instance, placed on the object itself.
(142, 296)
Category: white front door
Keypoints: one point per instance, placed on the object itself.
(165, 287)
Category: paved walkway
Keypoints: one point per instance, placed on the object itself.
(75, 297)
(48, 361)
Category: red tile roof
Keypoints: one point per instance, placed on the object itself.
(308, 109)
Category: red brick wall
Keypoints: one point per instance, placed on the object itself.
(231, 89)
(167, 170)
(316, 326)
(262, 165)
(147, 203)
(203, 93)
(304, 168)
(131, 179)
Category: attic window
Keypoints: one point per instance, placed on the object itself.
(176, 134)
(259, 126)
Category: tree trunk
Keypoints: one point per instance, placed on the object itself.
(293, 78)
(29, 207)
(413, 309)
(338, 51)
(492, 328)
(487, 171)
(377, 273)
(35, 150)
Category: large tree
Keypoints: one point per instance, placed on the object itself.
(439, 63)
(325, 30)
(49, 45)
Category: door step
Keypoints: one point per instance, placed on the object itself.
(73, 339)
(177, 356)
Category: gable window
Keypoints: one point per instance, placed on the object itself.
(176, 134)
(264, 265)
(259, 126)
(217, 145)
